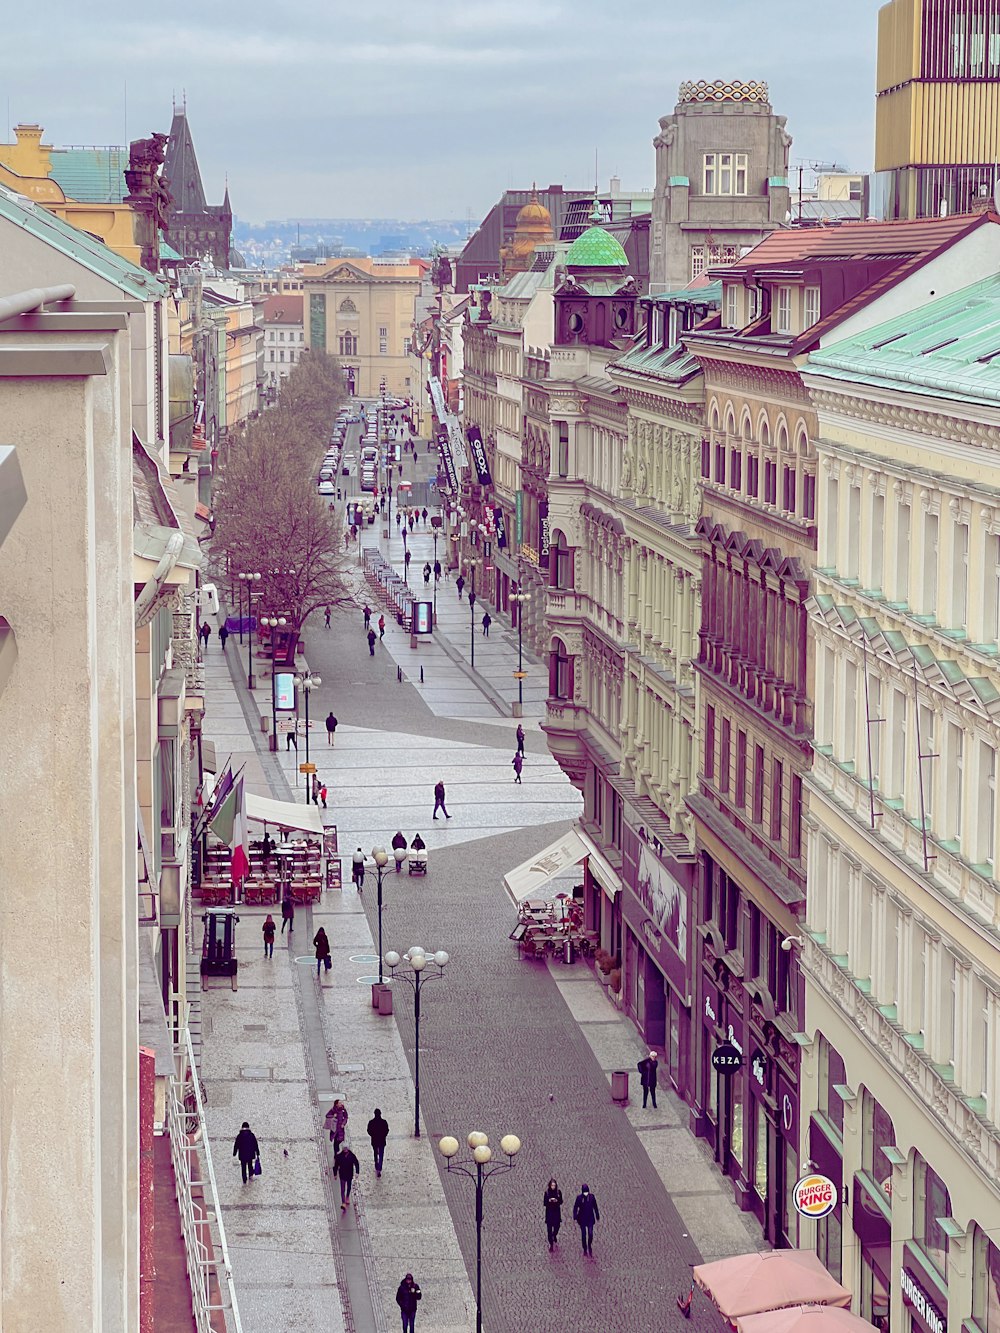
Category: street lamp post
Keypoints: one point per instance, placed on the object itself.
(520, 598)
(479, 1169)
(416, 960)
(436, 580)
(381, 859)
(250, 580)
(239, 592)
(472, 615)
(307, 684)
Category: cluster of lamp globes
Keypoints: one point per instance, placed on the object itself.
(417, 958)
(381, 857)
(479, 1144)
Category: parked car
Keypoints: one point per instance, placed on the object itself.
(326, 488)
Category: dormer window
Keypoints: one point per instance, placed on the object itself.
(732, 306)
(782, 310)
(811, 307)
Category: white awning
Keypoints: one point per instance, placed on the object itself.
(284, 814)
(600, 868)
(526, 879)
(209, 758)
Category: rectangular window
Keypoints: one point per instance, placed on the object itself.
(809, 495)
(991, 589)
(896, 778)
(383, 331)
(697, 261)
(788, 489)
(735, 469)
(711, 174)
(932, 1204)
(902, 553)
(811, 307)
(724, 758)
(383, 346)
(783, 310)
(986, 1283)
(987, 812)
(732, 305)
(720, 464)
(832, 1075)
(709, 742)
(960, 578)
(951, 769)
(758, 784)
(770, 482)
(795, 819)
(741, 769)
(706, 459)
(930, 554)
(562, 452)
(877, 543)
(777, 798)
(753, 476)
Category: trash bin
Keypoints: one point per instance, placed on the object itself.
(619, 1085)
(568, 955)
(376, 992)
(385, 1001)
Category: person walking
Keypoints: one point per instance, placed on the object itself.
(553, 1211)
(518, 762)
(347, 540)
(423, 515)
(326, 617)
(585, 1214)
(331, 728)
(287, 912)
(223, 636)
(439, 800)
(291, 739)
(315, 789)
(247, 1150)
(346, 1166)
(399, 518)
(322, 946)
(647, 1077)
(398, 845)
(407, 557)
(437, 571)
(409, 518)
(367, 613)
(371, 642)
(322, 794)
(336, 1122)
(520, 738)
(460, 584)
(378, 1132)
(358, 869)
(407, 1295)
(427, 573)
(381, 627)
(268, 929)
(206, 634)
(487, 622)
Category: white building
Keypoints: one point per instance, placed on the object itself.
(284, 337)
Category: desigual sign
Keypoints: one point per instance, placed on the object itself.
(814, 1196)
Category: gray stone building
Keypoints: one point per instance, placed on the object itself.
(721, 179)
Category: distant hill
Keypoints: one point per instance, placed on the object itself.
(275, 241)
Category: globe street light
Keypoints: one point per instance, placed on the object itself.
(416, 960)
(472, 614)
(479, 1169)
(381, 860)
(520, 598)
(307, 684)
(249, 580)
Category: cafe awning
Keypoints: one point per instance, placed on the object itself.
(748, 1284)
(526, 879)
(284, 814)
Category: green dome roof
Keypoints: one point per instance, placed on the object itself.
(596, 248)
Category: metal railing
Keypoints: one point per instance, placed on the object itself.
(209, 1270)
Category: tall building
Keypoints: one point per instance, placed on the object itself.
(284, 337)
(937, 107)
(196, 229)
(721, 179)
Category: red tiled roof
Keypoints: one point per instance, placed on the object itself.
(283, 308)
(854, 240)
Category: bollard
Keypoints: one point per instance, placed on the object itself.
(399, 675)
(421, 675)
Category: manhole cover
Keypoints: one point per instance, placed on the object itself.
(364, 957)
(256, 1071)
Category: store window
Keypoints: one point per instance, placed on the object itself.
(931, 1205)
(760, 1153)
(879, 1134)
(832, 1075)
(985, 1282)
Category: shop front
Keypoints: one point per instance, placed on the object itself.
(655, 915)
(925, 1298)
(773, 1111)
(872, 1217)
(826, 1156)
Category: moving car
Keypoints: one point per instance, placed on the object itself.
(326, 488)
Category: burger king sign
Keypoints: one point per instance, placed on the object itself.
(815, 1196)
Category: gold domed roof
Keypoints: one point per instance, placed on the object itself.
(533, 214)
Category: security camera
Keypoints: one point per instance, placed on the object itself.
(789, 940)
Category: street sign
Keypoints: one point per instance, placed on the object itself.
(726, 1059)
(307, 768)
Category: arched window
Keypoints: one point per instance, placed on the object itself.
(347, 307)
(560, 561)
(560, 672)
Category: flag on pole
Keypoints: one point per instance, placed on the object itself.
(241, 842)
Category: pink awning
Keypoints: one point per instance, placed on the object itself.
(804, 1319)
(752, 1283)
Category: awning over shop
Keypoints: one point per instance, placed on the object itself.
(532, 875)
(284, 814)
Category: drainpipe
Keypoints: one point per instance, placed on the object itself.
(168, 559)
(23, 303)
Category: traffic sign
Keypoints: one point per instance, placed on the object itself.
(726, 1059)
(307, 768)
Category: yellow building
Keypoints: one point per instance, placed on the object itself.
(361, 311)
(937, 107)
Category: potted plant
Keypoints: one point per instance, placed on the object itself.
(615, 985)
(604, 963)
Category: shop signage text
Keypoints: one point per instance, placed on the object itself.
(915, 1296)
(732, 1038)
(709, 1011)
(814, 1196)
(758, 1068)
(479, 456)
(501, 527)
(726, 1059)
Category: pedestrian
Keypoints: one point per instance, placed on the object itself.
(398, 845)
(268, 929)
(322, 794)
(585, 1214)
(248, 1151)
(347, 1166)
(378, 1132)
(266, 848)
(404, 537)
(206, 634)
(410, 520)
(315, 789)
(381, 627)
(358, 869)
(367, 613)
(399, 518)
(487, 622)
(371, 642)
(460, 584)
(518, 762)
(347, 540)
(520, 738)
(407, 557)
(423, 515)
(287, 912)
(331, 728)
(326, 617)
(291, 739)
(553, 1211)
(223, 636)
(647, 1077)
(336, 1123)
(322, 947)
(427, 573)
(439, 800)
(407, 1295)
(437, 571)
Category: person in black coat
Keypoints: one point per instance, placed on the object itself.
(553, 1211)
(347, 1166)
(407, 1295)
(585, 1214)
(647, 1077)
(247, 1150)
(378, 1132)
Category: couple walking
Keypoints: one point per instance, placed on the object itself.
(585, 1214)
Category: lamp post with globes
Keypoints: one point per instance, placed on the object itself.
(479, 1169)
(249, 580)
(381, 859)
(416, 960)
(307, 684)
(520, 598)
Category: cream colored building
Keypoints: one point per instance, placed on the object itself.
(901, 953)
(361, 311)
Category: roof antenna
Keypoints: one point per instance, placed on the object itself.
(597, 178)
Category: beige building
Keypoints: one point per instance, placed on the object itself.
(901, 1088)
(361, 311)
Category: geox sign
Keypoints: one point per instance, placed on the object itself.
(479, 456)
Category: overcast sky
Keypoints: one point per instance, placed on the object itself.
(380, 108)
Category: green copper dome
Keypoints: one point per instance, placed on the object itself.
(596, 248)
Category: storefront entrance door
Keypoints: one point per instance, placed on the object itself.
(654, 1015)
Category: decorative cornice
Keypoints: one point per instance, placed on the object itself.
(766, 381)
(906, 416)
